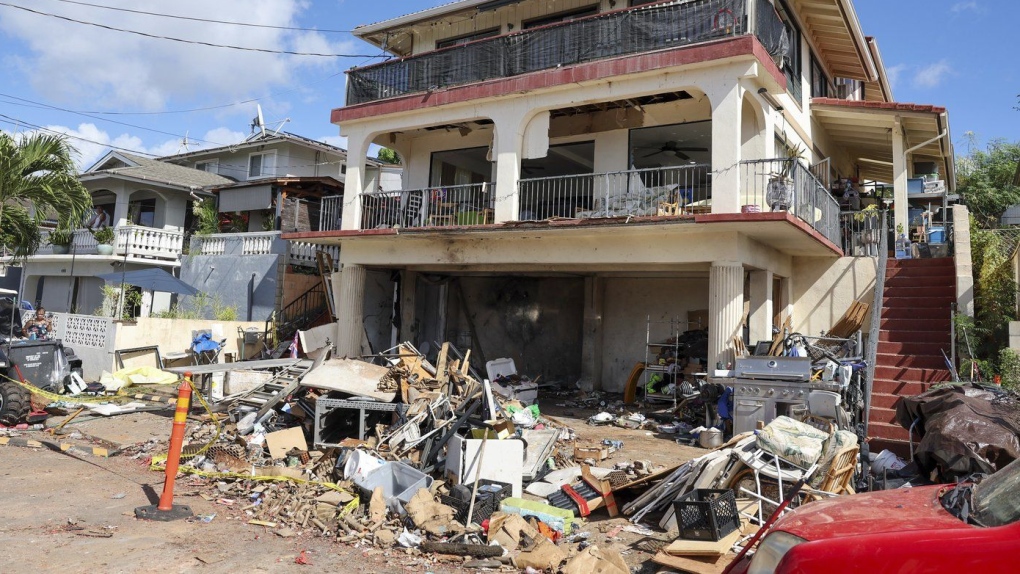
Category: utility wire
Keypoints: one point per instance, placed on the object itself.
(174, 16)
(18, 123)
(88, 115)
(183, 41)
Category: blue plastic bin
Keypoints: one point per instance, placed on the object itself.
(937, 235)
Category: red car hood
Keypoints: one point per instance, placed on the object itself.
(900, 510)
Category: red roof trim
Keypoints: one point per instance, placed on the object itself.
(893, 106)
(601, 69)
(773, 216)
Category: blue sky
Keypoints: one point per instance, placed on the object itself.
(956, 53)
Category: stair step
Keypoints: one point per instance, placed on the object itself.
(930, 349)
(898, 388)
(906, 360)
(898, 336)
(915, 324)
(886, 432)
(909, 374)
(884, 401)
(927, 263)
(921, 276)
(883, 416)
(939, 291)
(917, 302)
(905, 312)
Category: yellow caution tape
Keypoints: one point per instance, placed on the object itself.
(54, 397)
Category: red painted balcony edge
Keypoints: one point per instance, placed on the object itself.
(601, 69)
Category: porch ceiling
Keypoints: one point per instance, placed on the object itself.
(836, 33)
(864, 129)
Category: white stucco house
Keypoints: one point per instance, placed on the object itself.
(267, 184)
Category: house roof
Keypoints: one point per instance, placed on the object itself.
(878, 90)
(258, 139)
(865, 129)
(154, 170)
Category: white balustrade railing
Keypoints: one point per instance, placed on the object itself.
(148, 242)
(302, 253)
(256, 243)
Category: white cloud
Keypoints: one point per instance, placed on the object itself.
(932, 75)
(92, 143)
(968, 5)
(894, 73)
(67, 62)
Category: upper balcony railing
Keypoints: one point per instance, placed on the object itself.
(617, 33)
(331, 212)
(260, 243)
(444, 206)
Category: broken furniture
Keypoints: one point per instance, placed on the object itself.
(326, 408)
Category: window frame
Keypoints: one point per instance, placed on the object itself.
(468, 38)
(263, 172)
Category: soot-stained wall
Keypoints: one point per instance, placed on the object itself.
(535, 321)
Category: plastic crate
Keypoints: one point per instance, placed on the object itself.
(706, 514)
(490, 494)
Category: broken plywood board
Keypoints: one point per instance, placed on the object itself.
(682, 547)
(350, 376)
(281, 442)
(695, 564)
(317, 337)
(541, 444)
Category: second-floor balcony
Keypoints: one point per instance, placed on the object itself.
(768, 185)
(131, 241)
(614, 34)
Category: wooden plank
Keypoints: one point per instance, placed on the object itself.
(683, 547)
(630, 389)
(695, 565)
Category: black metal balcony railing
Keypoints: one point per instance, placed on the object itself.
(618, 33)
(671, 191)
(445, 206)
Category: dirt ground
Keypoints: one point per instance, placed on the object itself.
(75, 513)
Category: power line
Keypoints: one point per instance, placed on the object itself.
(183, 41)
(176, 17)
(17, 122)
(88, 115)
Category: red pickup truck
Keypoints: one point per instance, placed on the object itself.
(904, 531)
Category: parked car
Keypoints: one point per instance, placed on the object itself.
(965, 528)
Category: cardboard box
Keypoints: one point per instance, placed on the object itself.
(595, 453)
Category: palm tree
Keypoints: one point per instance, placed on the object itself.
(37, 178)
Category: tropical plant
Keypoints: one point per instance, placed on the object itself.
(207, 217)
(103, 235)
(62, 237)
(38, 178)
(386, 155)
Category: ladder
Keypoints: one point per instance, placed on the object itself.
(324, 262)
(284, 383)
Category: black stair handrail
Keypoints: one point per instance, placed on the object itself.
(307, 307)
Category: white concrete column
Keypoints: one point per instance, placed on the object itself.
(899, 179)
(510, 127)
(146, 303)
(119, 217)
(760, 317)
(726, 115)
(964, 261)
(725, 309)
(350, 311)
(354, 183)
(591, 335)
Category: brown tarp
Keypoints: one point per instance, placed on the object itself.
(964, 429)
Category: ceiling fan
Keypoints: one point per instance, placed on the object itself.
(674, 148)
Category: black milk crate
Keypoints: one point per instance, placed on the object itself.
(486, 502)
(706, 514)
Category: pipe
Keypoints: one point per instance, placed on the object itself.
(921, 145)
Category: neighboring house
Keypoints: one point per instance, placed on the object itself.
(573, 168)
(269, 183)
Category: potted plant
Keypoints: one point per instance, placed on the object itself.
(779, 193)
(61, 240)
(104, 236)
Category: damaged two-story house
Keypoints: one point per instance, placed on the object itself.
(576, 171)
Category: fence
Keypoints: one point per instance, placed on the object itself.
(331, 213)
(657, 191)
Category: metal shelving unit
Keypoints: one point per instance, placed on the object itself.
(673, 328)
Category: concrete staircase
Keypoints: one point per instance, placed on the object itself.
(914, 330)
